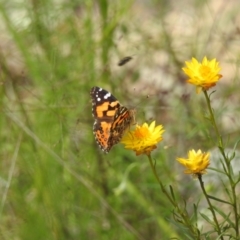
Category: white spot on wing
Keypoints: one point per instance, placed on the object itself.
(99, 99)
(107, 96)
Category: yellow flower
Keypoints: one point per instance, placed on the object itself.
(204, 75)
(196, 163)
(144, 138)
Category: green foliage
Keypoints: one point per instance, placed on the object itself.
(55, 182)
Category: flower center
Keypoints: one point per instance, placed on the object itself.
(204, 71)
(142, 132)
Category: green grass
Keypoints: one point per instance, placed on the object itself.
(55, 182)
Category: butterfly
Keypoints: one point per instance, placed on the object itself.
(111, 118)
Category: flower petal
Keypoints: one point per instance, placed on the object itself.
(203, 75)
(196, 163)
(144, 138)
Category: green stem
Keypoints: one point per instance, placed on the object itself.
(159, 181)
(213, 118)
(227, 162)
(210, 205)
(183, 214)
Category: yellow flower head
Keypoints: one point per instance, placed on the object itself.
(144, 138)
(196, 163)
(204, 75)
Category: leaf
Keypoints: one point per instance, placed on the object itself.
(238, 180)
(207, 219)
(235, 146)
(219, 200)
(208, 233)
(177, 217)
(225, 217)
(217, 170)
(232, 156)
(224, 167)
(195, 207)
(229, 193)
(172, 193)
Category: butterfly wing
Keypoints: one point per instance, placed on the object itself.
(122, 120)
(104, 108)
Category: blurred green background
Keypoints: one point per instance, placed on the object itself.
(55, 183)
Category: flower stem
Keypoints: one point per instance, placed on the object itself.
(227, 163)
(183, 214)
(212, 118)
(210, 205)
(159, 181)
